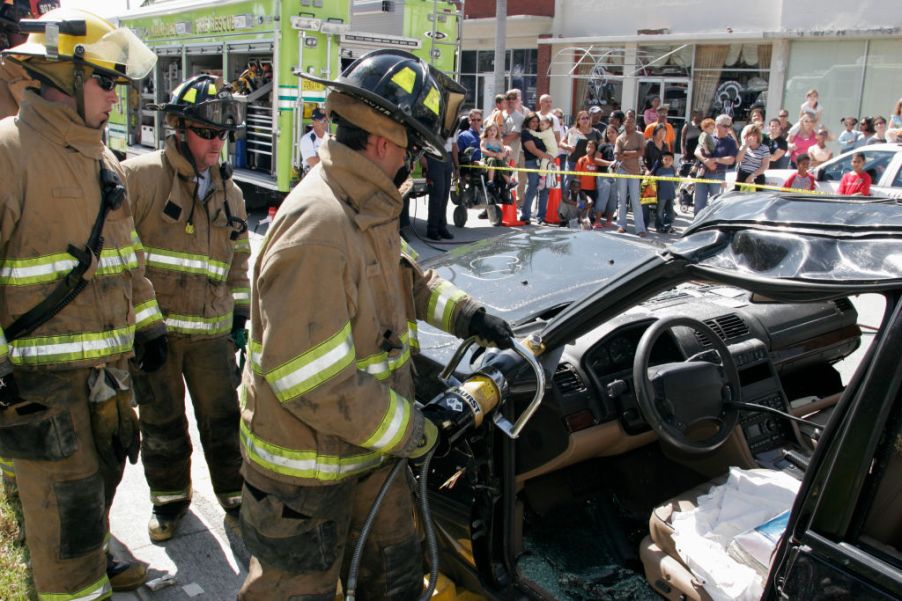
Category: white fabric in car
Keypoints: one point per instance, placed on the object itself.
(702, 535)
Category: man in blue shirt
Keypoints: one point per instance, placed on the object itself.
(716, 165)
(468, 139)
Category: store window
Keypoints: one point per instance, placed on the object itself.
(598, 74)
(731, 79)
(477, 75)
(882, 76)
(834, 69)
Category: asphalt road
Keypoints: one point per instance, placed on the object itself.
(207, 557)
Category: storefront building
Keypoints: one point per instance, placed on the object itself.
(527, 21)
(703, 55)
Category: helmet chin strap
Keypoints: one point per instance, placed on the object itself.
(78, 81)
(183, 145)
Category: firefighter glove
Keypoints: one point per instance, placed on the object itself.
(427, 442)
(9, 391)
(151, 355)
(239, 332)
(114, 423)
(490, 330)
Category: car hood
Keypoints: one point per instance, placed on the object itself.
(529, 274)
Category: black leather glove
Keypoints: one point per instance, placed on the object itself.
(9, 391)
(151, 355)
(490, 330)
(238, 336)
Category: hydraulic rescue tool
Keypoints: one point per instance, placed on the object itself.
(462, 407)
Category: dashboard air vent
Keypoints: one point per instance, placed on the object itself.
(727, 327)
(567, 379)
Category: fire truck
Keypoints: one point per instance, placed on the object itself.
(258, 46)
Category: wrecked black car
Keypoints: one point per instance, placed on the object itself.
(725, 372)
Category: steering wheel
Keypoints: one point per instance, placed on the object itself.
(677, 398)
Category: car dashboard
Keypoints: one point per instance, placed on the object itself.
(591, 408)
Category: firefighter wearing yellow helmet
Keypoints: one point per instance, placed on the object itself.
(191, 218)
(74, 301)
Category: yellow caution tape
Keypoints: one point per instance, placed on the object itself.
(693, 180)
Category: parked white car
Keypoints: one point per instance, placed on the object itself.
(882, 161)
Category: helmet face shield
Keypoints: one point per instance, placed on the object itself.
(221, 112)
(121, 52)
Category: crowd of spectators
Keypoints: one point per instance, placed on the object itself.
(708, 148)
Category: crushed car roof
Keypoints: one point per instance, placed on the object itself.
(804, 243)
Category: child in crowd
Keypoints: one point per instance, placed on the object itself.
(707, 143)
(546, 135)
(801, 179)
(856, 182)
(850, 136)
(494, 152)
(666, 192)
(588, 183)
(575, 205)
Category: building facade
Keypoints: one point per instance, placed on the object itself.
(697, 54)
(527, 22)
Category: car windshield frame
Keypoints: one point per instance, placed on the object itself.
(786, 247)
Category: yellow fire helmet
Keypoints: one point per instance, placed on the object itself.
(69, 34)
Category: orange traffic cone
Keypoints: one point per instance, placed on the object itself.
(509, 212)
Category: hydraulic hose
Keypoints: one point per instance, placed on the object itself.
(431, 543)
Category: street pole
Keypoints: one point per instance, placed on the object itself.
(500, 46)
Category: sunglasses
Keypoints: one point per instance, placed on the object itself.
(105, 82)
(208, 133)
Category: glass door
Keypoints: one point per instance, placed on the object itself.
(674, 92)
(676, 95)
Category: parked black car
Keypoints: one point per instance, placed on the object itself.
(646, 352)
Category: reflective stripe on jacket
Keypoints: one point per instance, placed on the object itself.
(198, 271)
(328, 390)
(50, 199)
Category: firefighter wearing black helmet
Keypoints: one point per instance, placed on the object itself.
(328, 388)
(191, 218)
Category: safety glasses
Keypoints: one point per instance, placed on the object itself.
(105, 82)
(208, 133)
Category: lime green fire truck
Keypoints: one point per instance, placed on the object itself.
(258, 45)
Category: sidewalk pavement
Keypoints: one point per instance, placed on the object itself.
(207, 556)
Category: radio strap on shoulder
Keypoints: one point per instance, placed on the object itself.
(112, 196)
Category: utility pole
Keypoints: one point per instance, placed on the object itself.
(500, 45)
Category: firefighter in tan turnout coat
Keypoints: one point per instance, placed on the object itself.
(328, 392)
(73, 302)
(191, 219)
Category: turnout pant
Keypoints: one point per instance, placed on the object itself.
(209, 369)
(302, 539)
(68, 447)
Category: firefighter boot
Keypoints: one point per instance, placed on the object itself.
(165, 520)
(125, 575)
